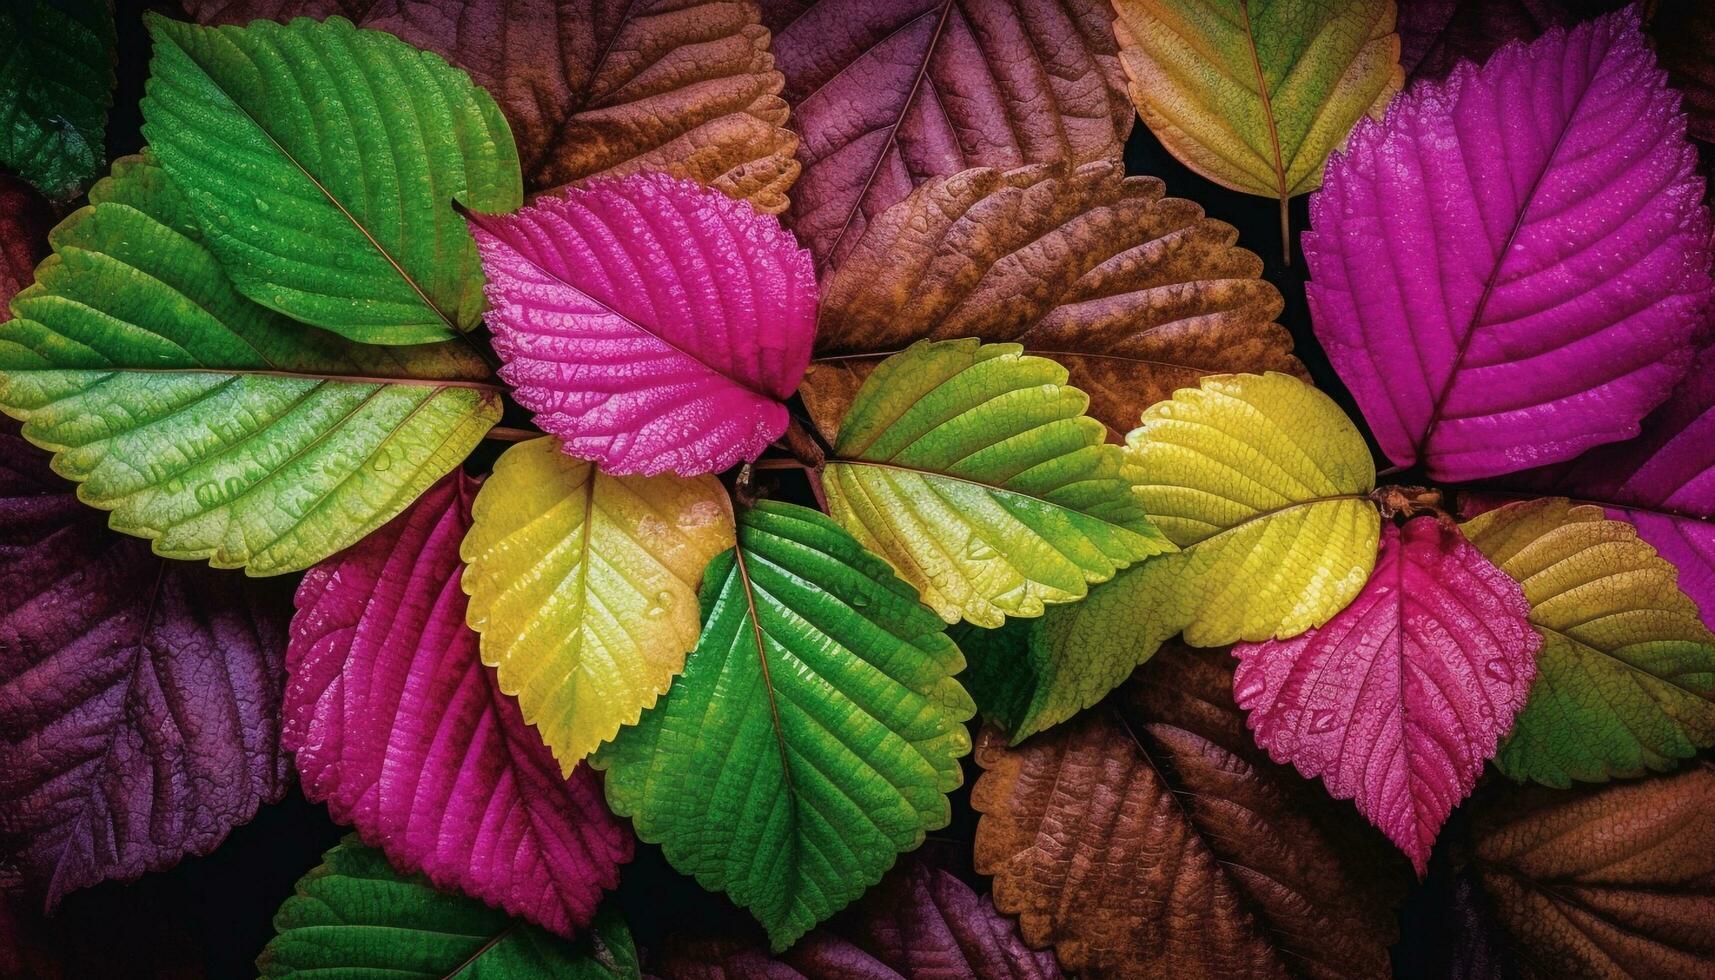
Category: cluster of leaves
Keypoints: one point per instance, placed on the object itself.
(1052, 430)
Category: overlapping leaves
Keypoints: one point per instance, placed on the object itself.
(205, 422)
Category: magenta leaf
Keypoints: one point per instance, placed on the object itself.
(1398, 701)
(1663, 482)
(401, 729)
(887, 93)
(920, 922)
(1512, 266)
(139, 697)
(651, 323)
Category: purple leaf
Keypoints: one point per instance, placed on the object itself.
(402, 730)
(1398, 701)
(139, 697)
(1512, 266)
(887, 93)
(1663, 482)
(921, 922)
(651, 323)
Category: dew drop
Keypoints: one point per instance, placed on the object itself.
(208, 494)
(261, 205)
(859, 600)
(1249, 689)
(1500, 670)
(383, 461)
(1322, 721)
(976, 549)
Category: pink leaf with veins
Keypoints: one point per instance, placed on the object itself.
(651, 323)
(401, 729)
(1398, 701)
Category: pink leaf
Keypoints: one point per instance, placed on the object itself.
(650, 323)
(1397, 702)
(139, 697)
(402, 730)
(1511, 268)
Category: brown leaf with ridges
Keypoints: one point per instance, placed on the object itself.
(1136, 293)
(1150, 837)
(601, 87)
(1616, 880)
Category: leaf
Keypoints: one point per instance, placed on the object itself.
(888, 94)
(1663, 482)
(203, 421)
(1262, 483)
(1152, 838)
(1137, 294)
(56, 85)
(1610, 881)
(139, 698)
(650, 323)
(972, 469)
(921, 921)
(401, 729)
(1400, 698)
(1435, 35)
(356, 917)
(1025, 687)
(1547, 279)
(1684, 34)
(335, 210)
(584, 587)
(1255, 95)
(813, 735)
(24, 223)
(686, 87)
(1626, 678)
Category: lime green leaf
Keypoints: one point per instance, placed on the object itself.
(972, 468)
(813, 734)
(1626, 677)
(356, 918)
(205, 422)
(323, 161)
(56, 85)
(584, 587)
(1263, 484)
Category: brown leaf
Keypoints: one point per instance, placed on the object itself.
(601, 87)
(1152, 838)
(1616, 880)
(889, 93)
(1138, 294)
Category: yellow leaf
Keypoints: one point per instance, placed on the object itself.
(1254, 94)
(1263, 484)
(1626, 677)
(584, 587)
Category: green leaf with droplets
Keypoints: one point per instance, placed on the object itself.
(814, 733)
(973, 469)
(322, 163)
(203, 421)
(356, 918)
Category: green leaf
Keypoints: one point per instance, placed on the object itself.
(1263, 484)
(205, 422)
(355, 918)
(322, 162)
(56, 85)
(972, 468)
(813, 735)
(1027, 687)
(1626, 677)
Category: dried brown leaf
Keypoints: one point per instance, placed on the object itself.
(1152, 838)
(1136, 293)
(1616, 880)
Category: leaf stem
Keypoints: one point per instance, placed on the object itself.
(1285, 231)
(803, 446)
(506, 433)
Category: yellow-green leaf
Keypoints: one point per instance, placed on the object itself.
(973, 470)
(584, 587)
(1254, 94)
(1263, 484)
(1626, 677)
